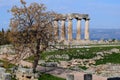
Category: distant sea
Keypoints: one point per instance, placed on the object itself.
(98, 34)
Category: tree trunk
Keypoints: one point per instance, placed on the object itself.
(35, 63)
(36, 56)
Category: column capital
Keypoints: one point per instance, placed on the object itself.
(70, 16)
(78, 18)
(87, 19)
(63, 17)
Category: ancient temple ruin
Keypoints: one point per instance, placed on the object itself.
(62, 19)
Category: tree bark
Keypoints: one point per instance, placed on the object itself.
(35, 63)
(36, 56)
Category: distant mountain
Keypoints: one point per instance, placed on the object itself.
(97, 34)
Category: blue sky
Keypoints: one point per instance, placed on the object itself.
(103, 13)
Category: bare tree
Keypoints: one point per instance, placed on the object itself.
(32, 29)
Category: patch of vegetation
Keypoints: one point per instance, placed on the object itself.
(83, 67)
(13, 78)
(7, 65)
(111, 58)
(75, 53)
(4, 37)
(79, 53)
(49, 77)
(30, 59)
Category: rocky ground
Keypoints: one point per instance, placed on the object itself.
(106, 70)
(75, 66)
(60, 72)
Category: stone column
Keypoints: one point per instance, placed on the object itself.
(87, 29)
(78, 34)
(69, 29)
(63, 35)
(56, 30)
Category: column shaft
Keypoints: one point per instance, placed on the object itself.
(70, 30)
(78, 35)
(87, 29)
(56, 30)
(63, 35)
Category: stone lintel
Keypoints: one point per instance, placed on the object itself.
(80, 15)
(71, 16)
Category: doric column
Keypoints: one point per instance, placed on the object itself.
(69, 29)
(87, 29)
(63, 34)
(56, 30)
(78, 34)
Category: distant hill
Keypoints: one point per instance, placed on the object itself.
(97, 34)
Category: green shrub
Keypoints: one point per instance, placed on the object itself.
(49, 77)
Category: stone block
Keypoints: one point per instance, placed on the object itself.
(41, 62)
(6, 76)
(115, 50)
(70, 77)
(115, 78)
(2, 70)
(1, 64)
(87, 76)
(25, 70)
(51, 64)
